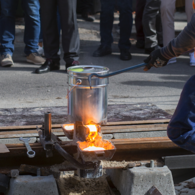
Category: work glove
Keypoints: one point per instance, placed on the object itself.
(155, 59)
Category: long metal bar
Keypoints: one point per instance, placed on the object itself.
(114, 73)
(47, 126)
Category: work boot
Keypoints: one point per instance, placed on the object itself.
(49, 65)
(102, 50)
(125, 54)
(35, 58)
(73, 63)
(6, 60)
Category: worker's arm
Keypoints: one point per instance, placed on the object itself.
(181, 128)
(184, 42)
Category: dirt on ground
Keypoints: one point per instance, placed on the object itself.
(73, 185)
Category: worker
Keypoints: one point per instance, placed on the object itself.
(181, 128)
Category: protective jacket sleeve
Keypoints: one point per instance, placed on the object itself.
(181, 128)
(184, 42)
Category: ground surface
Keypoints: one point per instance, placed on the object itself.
(21, 88)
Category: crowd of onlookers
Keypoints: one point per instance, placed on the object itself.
(45, 19)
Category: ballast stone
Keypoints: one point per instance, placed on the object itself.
(138, 180)
(38, 185)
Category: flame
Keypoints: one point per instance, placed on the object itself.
(92, 134)
(69, 127)
(94, 141)
(93, 148)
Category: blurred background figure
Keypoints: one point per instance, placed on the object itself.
(106, 24)
(167, 15)
(31, 33)
(70, 35)
(152, 25)
(86, 8)
(140, 5)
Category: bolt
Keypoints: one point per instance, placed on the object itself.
(152, 163)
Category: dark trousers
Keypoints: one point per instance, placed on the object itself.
(140, 5)
(152, 24)
(70, 36)
(86, 6)
(106, 22)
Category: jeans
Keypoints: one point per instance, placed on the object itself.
(7, 25)
(106, 22)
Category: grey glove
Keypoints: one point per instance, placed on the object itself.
(155, 59)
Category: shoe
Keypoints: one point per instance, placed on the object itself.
(49, 65)
(87, 17)
(102, 51)
(140, 44)
(35, 58)
(125, 54)
(192, 59)
(6, 60)
(73, 63)
(172, 61)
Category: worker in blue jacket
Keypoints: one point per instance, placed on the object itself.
(181, 128)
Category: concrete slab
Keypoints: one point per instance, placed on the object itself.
(139, 180)
(39, 185)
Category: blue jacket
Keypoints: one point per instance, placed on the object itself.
(181, 128)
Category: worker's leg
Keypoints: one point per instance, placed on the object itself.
(189, 10)
(7, 28)
(151, 10)
(167, 17)
(50, 28)
(70, 35)
(125, 9)
(106, 22)
(140, 4)
(159, 29)
(32, 25)
(181, 128)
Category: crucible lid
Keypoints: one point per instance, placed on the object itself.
(84, 69)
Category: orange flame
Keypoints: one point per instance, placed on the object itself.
(69, 127)
(94, 142)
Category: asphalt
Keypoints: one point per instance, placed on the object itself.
(20, 87)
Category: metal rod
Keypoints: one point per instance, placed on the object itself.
(69, 158)
(114, 73)
(47, 126)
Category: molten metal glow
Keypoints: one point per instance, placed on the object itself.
(69, 127)
(92, 128)
(93, 148)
